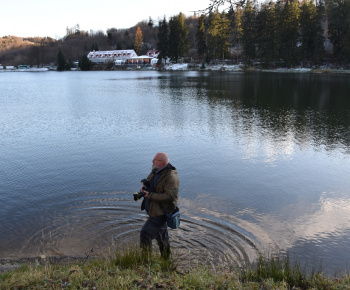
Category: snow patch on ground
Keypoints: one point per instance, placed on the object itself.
(185, 66)
(32, 69)
(177, 66)
(241, 68)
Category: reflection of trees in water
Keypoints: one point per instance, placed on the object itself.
(313, 108)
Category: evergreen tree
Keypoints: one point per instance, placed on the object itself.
(138, 40)
(127, 42)
(338, 12)
(248, 32)
(150, 22)
(178, 37)
(163, 40)
(184, 45)
(95, 47)
(289, 32)
(236, 28)
(112, 35)
(218, 36)
(213, 35)
(236, 25)
(311, 33)
(224, 36)
(85, 64)
(201, 37)
(267, 34)
(61, 61)
(174, 38)
(69, 65)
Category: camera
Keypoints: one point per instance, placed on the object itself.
(145, 186)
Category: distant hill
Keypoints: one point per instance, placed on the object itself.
(15, 42)
(16, 50)
(38, 51)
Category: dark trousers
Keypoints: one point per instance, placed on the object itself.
(155, 228)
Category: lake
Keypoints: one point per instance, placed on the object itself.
(263, 161)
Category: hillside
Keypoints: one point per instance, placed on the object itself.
(77, 43)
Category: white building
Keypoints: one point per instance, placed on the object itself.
(121, 56)
(153, 53)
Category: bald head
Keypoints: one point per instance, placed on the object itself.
(160, 160)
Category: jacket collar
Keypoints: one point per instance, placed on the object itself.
(168, 166)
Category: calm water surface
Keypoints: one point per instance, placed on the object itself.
(263, 161)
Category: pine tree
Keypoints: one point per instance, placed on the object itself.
(163, 40)
(179, 43)
(218, 36)
(61, 61)
(201, 37)
(95, 47)
(289, 32)
(174, 38)
(224, 35)
(184, 45)
(213, 35)
(150, 22)
(249, 32)
(138, 40)
(236, 27)
(85, 64)
(267, 34)
(338, 12)
(311, 33)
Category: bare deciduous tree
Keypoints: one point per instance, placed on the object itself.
(227, 4)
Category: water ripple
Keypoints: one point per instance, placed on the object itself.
(203, 238)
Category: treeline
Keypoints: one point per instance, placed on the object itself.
(291, 32)
(283, 33)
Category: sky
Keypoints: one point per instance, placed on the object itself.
(25, 18)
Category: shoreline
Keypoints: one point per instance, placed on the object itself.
(242, 68)
(230, 68)
(208, 68)
(10, 264)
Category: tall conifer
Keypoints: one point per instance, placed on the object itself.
(338, 12)
(311, 33)
(61, 61)
(267, 27)
(249, 32)
(289, 32)
(201, 37)
(163, 40)
(179, 43)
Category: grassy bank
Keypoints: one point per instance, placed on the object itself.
(132, 269)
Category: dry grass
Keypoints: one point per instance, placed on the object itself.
(133, 269)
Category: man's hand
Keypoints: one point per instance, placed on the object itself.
(145, 192)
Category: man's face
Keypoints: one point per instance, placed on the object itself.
(158, 163)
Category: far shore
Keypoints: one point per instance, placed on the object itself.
(196, 67)
(235, 68)
(242, 68)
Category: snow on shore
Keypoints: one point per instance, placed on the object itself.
(241, 68)
(32, 69)
(235, 67)
(185, 66)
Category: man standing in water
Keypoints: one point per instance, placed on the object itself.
(160, 198)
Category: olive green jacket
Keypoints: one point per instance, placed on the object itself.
(165, 198)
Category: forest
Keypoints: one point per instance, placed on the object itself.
(282, 33)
